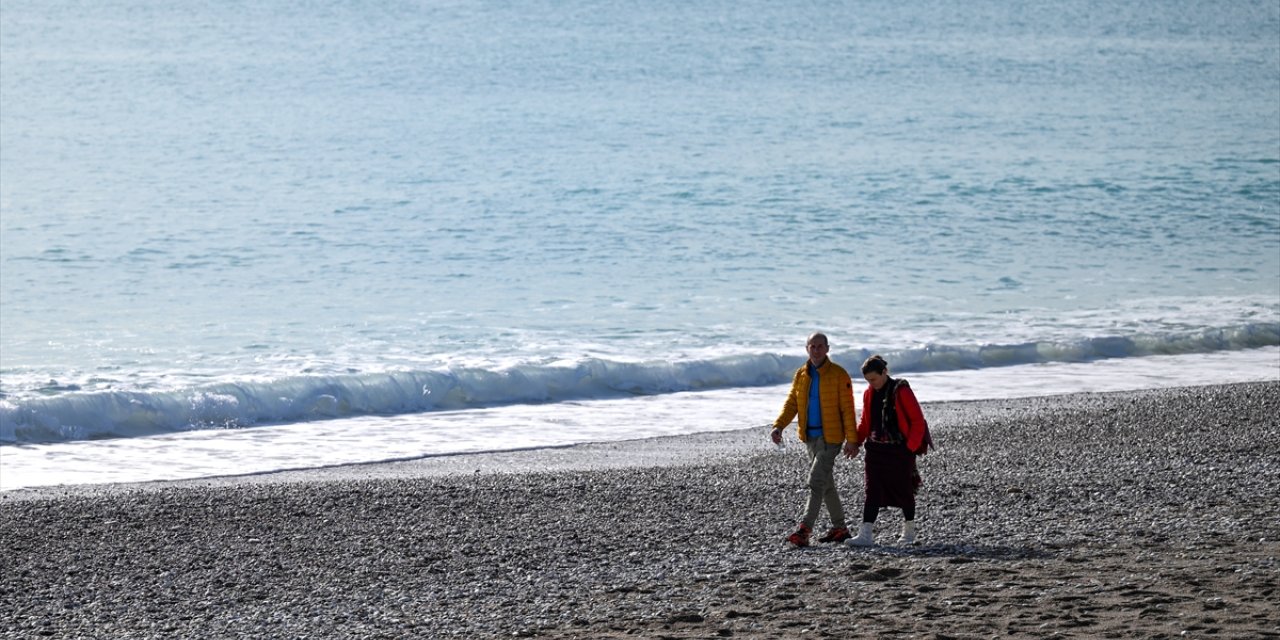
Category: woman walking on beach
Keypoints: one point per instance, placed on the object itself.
(822, 396)
(895, 432)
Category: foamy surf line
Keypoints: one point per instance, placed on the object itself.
(76, 414)
(369, 439)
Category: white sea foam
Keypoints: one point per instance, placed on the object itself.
(80, 415)
(384, 438)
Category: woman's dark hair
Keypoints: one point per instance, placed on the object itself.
(875, 363)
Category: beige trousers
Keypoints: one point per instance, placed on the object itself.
(822, 483)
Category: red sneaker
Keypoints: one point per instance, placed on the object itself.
(836, 534)
(801, 537)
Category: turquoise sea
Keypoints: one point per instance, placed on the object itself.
(238, 237)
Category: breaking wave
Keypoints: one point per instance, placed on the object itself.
(76, 415)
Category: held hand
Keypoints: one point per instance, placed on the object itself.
(776, 435)
(850, 450)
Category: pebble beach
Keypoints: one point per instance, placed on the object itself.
(1146, 514)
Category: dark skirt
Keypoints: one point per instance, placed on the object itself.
(891, 476)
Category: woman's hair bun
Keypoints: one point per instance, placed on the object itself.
(875, 364)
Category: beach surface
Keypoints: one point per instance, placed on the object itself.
(1149, 514)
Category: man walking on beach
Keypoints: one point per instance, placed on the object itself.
(822, 396)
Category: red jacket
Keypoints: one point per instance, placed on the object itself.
(910, 418)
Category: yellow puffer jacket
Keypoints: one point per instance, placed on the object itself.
(836, 391)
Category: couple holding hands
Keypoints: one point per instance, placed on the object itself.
(892, 429)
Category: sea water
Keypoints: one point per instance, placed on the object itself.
(241, 237)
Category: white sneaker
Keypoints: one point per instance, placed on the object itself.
(864, 538)
(908, 536)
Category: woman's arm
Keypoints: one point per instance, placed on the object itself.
(910, 413)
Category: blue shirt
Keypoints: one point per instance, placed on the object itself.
(814, 428)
